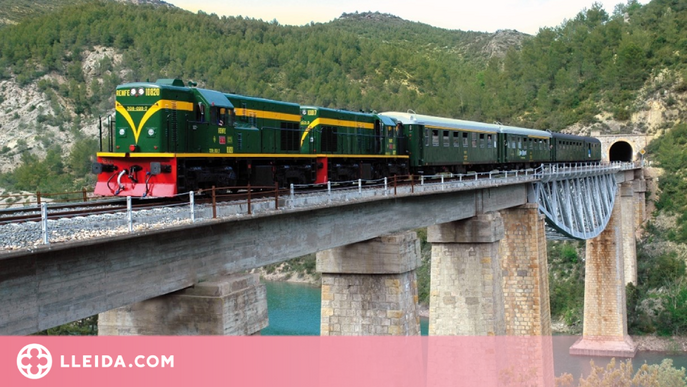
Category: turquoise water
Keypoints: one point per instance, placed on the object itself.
(294, 310)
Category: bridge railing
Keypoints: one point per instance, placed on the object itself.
(224, 203)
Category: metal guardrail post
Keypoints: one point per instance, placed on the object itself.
(291, 195)
(395, 185)
(360, 186)
(214, 203)
(412, 185)
(329, 192)
(129, 214)
(250, 212)
(44, 223)
(422, 180)
(192, 204)
(442, 182)
(386, 191)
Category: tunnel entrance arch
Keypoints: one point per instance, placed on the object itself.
(621, 151)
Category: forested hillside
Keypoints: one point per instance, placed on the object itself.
(595, 70)
(625, 72)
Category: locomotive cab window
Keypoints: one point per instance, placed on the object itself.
(200, 112)
(217, 116)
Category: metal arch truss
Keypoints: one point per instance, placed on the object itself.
(577, 203)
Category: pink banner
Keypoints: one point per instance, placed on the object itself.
(276, 361)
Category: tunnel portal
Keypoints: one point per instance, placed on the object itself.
(620, 151)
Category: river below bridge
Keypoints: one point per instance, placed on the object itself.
(294, 310)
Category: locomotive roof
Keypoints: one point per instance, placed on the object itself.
(152, 84)
(258, 99)
(214, 98)
(451, 123)
(325, 109)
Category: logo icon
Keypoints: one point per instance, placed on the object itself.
(34, 361)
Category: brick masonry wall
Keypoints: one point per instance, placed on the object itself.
(370, 287)
(526, 290)
(466, 296)
(228, 305)
(361, 305)
(525, 272)
(604, 291)
(627, 229)
(604, 331)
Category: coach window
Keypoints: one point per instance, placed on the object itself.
(426, 137)
(435, 137)
(481, 140)
(519, 143)
(447, 141)
(531, 143)
(474, 140)
(489, 141)
(456, 140)
(465, 140)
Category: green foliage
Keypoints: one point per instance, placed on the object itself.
(84, 327)
(423, 272)
(670, 151)
(658, 304)
(566, 283)
(623, 374)
(51, 174)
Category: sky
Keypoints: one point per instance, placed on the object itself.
(468, 15)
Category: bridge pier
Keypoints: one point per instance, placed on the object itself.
(370, 287)
(525, 272)
(229, 305)
(526, 292)
(605, 316)
(627, 226)
(466, 297)
(640, 188)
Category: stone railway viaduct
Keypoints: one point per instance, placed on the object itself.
(489, 271)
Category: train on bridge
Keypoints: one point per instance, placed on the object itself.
(168, 138)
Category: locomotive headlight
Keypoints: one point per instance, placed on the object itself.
(140, 91)
(151, 132)
(133, 92)
(122, 132)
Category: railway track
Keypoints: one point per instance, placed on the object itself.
(70, 210)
